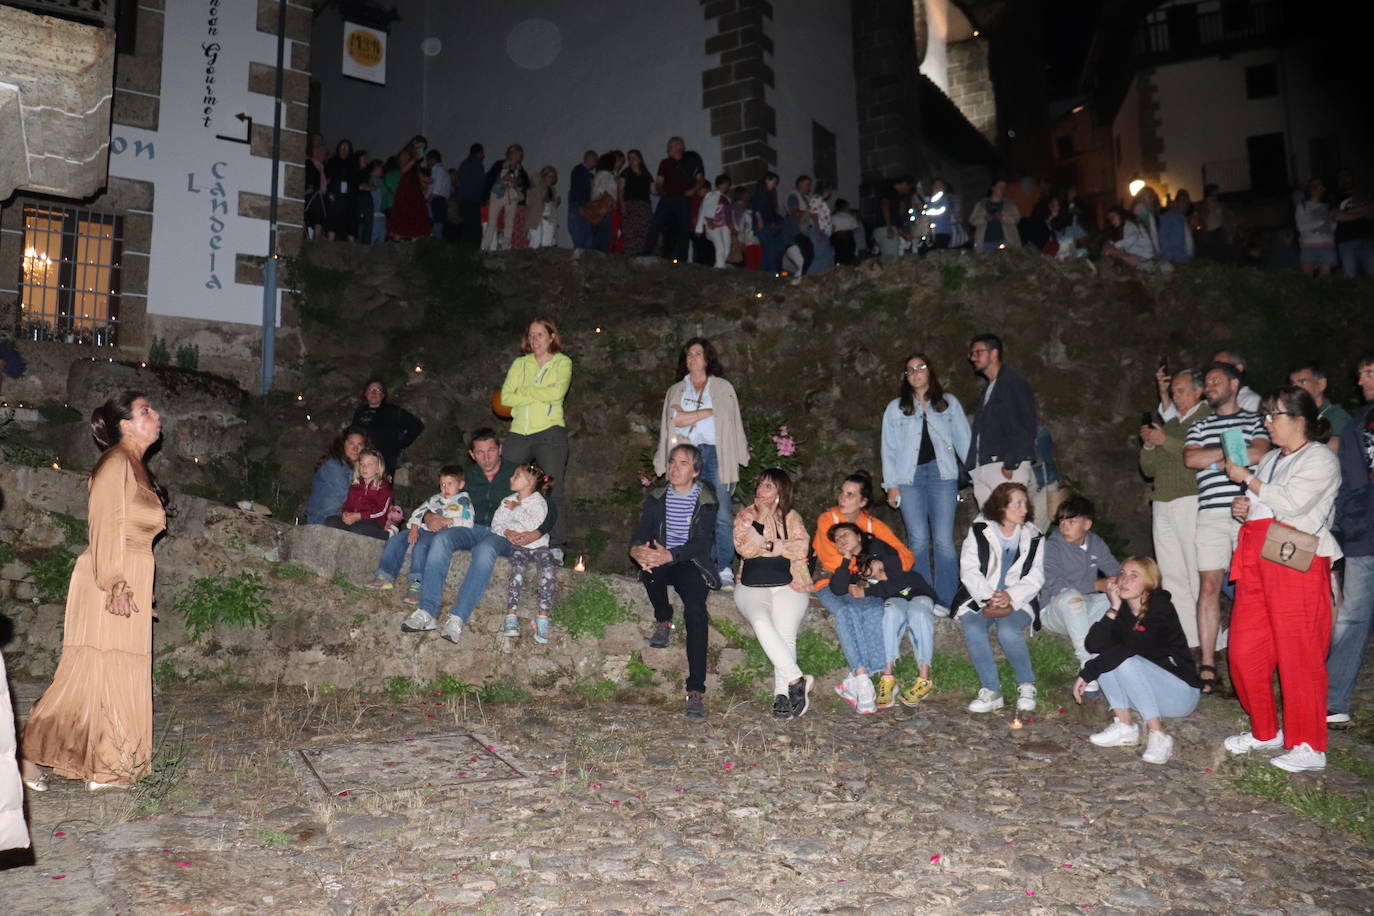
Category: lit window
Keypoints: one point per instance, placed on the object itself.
(69, 277)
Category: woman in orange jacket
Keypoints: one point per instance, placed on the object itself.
(858, 621)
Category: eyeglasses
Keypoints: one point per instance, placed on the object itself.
(1269, 417)
(912, 370)
(976, 352)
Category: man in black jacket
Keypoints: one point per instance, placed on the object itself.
(1003, 437)
(673, 546)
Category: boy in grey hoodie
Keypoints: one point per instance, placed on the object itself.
(1078, 566)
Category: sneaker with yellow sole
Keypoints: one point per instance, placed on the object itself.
(887, 691)
(914, 694)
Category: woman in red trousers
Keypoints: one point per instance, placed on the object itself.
(1282, 616)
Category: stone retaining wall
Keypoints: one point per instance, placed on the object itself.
(326, 630)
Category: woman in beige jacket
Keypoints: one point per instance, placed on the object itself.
(702, 410)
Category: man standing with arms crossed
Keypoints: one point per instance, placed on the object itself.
(1004, 426)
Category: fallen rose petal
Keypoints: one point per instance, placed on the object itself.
(557, 772)
(615, 801)
(340, 793)
(1066, 865)
(935, 858)
(58, 877)
(491, 747)
(183, 863)
(1060, 709)
(677, 790)
(729, 765)
(429, 715)
(1208, 770)
(596, 785)
(1030, 893)
(59, 833)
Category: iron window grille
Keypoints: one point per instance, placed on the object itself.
(69, 281)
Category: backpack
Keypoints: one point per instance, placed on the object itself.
(962, 597)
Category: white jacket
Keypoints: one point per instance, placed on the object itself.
(1303, 492)
(980, 581)
(456, 508)
(709, 204)
(14, 833)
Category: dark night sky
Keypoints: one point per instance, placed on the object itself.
(1067, 29)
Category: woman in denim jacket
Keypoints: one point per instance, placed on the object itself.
(925, 441)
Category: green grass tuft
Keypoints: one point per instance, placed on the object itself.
(503, 690)
(52, 573)
(590, 608)
(291, 571)
(235, 601)
(1352, 814)
(595, 691)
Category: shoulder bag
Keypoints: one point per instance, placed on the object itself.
(1286, 545)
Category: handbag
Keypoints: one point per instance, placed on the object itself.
(594, 211)
(1289, 546)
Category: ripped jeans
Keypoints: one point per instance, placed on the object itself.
(1071, 613)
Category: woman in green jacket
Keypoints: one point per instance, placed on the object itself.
(533, 391)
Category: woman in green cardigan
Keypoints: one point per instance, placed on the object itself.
(533, 391)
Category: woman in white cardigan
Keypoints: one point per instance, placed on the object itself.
(1001, 572)
(701, 409)
(1282, 616)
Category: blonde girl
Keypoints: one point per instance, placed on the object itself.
(367, 508)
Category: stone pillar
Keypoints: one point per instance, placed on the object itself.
(886, 72)
(734, 91)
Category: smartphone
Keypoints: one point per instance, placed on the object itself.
(1164, 364)
(1147, 418)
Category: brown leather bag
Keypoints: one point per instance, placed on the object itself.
(1288, 546)
(594, 211)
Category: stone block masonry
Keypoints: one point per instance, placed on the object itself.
(734, 91)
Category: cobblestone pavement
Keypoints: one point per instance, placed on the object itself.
(628, 807)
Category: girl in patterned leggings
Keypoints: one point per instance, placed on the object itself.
(525, 511)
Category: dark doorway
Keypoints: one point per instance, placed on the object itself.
(1268, 162)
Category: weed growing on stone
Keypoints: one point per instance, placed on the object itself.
(590, 608)
(1360, 766)
(74, 530)
(1353, 814)
(952, 276)
(452, 687)
(400, 688)
(6, 553)
(291, 571)
(503, 691)
(340, 580)
(319, 294)
(595, 690)
(165, 673)
(51, 574)
(152, 789)
(817, 655)
(274, 837)
(236, 601)
(640, 674)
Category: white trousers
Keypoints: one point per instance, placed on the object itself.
(544, 235)
(1174, 527)
(988, 477)
(776, 614)
(719, 237)
(500, 203)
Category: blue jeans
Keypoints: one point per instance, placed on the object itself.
(915, 616)
(1140, 684)
(1357, 257)
(859, 624)
(1066, 618)
(485, 547)
(928, 505)
(394, 555)
(578, 227)
(1350, 634)
(724, 550)
(1011, 633)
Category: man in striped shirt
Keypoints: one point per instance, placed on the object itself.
(1216, 529)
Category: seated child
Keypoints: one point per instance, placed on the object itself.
(1078, 568)
(452, 505)
(524, 511)
(367, 508)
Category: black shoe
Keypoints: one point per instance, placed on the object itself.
(799, 696)
(662, 632)
(695, 708)
(782, 706)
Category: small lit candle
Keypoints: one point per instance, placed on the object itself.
(56, 466)
(300, 397)
(674, 260)
(580, 565)
(758, 295)
(419, 368)
(143, 365)
(597, 331)
(1016, 723)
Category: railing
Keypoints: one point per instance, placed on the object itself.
(1185, 30)
(1228, 174)
(94, 12)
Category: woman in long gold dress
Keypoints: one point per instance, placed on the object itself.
(95, 722)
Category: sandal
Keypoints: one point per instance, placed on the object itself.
(541, 629)
(1210, 685)
(512, 627)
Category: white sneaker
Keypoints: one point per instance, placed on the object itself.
(557, 553)
(845, 689)
(419, 622)
(1243, 744)
(943, 611)
(866, 698)
(986, 701)
(1092, 687)
(1338, 718)
(1118, 734)
(1301, 759)
(1026, 701)
(453, 628)
(1159, 747)
(727, 580)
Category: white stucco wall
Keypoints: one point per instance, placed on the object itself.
(197, 176)
(601, 79)
(1206, 117)
(814, 64)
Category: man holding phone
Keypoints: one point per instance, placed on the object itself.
(1005, 424)
(1217, 530)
